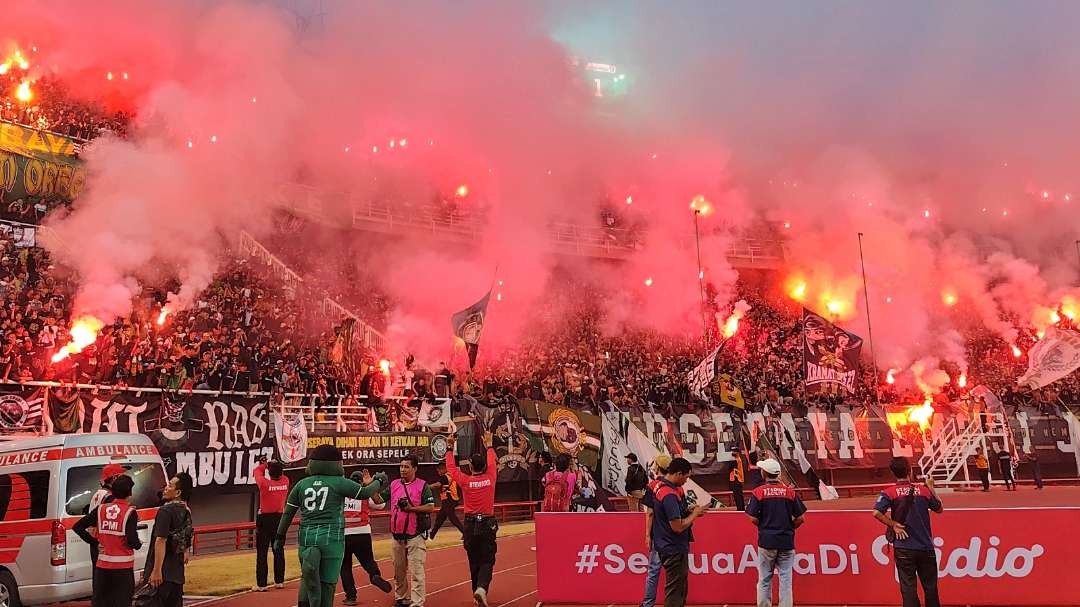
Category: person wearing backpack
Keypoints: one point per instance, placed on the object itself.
(636, 480)
(172, 535)
(559, 486)
(905, 510)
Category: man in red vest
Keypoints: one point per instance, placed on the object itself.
(481, 527)
(273, 489)
(114, 527)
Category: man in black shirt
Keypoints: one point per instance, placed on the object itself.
(165, 561)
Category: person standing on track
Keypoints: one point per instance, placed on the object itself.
(1005, 463)
(320, 499)
(481, 527)
(636, 482)
(358, 543)
(113, 528)
(449, 498)
(411, 504)
(776, 510)
(982, 466)
(652, 579)
(735, 480)
(273, 489)
(671, 531)
(909, 532)
(166, 560)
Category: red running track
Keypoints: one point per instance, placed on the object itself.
(448, 583)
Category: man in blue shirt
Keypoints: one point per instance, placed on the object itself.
(910, 534)
(777, 511)
(671, 533)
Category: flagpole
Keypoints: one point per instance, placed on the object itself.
(869, 325)
(701, 284)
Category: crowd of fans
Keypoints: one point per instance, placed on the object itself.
(248, 333)
(52, 108)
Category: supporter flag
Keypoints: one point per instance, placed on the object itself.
(830, 356)
(291, 433)
(620, 437)
(64, 411)
(434, 413)
(1056, 355)
(22, 411)
(469, 324)
(730, 394)
(704, 373)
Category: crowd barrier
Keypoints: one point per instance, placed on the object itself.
(1019, 556)
(231, 537)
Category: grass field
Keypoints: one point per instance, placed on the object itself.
(223, 574)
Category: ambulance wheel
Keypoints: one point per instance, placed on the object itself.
(9, 591)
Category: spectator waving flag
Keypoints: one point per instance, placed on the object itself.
(469, 324)
(704, 373)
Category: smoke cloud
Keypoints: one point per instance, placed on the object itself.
(939, 133)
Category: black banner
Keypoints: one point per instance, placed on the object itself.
(830, 356)
(382, 448)
(215, 439)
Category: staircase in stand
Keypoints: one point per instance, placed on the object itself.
(945, 458)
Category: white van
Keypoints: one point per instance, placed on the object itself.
(45, 487)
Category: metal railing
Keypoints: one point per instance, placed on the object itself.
(310, 202)
(947, 454)
(327, 306)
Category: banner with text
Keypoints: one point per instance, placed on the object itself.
(842, 558)
(383, 448)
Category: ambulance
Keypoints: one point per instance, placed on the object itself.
(45, 487)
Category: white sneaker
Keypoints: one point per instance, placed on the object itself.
(260, 588)
(480, 596)
(533, 548)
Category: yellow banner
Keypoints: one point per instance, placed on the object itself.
(36, 144)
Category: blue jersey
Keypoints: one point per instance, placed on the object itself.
(776, 506)
(910, 505)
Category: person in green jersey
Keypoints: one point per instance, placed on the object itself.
(320, 498)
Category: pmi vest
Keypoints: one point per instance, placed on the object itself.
(113, 551)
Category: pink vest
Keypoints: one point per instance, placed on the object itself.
(404, 523)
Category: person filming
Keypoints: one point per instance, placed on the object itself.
(478, 489)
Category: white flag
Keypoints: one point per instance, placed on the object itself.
(621, 438)
(704, 374)
(1056, 355)
(434, 414)
(291, 433)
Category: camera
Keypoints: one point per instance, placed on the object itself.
(403, 503)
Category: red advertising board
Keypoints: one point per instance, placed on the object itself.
(1024, 556)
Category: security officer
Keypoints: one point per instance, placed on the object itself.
(480, 524)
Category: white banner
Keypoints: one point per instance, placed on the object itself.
(704, 374)
(621, 438)
(1056, 355)
(291, 434)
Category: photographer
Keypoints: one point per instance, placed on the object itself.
(480, 525)
(273, 490)
(411, 504)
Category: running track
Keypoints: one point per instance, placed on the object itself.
(448, 583)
